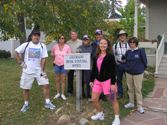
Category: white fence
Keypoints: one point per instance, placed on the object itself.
(9, 45)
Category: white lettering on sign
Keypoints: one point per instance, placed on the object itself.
(77, 61)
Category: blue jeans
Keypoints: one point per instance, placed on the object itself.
(59, 69)
(119, 72)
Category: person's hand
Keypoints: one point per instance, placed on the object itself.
(114, 88)
(43, 74)
(23, 65)
(91, 84)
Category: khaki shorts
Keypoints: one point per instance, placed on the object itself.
(28, 79)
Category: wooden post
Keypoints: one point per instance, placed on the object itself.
(78, 90)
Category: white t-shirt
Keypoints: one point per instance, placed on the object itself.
(33, 55)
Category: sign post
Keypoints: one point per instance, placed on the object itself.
(78, 62)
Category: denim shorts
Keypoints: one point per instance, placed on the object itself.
(59, 69)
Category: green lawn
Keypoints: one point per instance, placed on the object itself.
(11, 100)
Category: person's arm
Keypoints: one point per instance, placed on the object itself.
(18, 57)
(43, 63)
(43, 58)
(92, 77)
(143, 57)
(18, 51)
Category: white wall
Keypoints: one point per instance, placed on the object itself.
(157, 18)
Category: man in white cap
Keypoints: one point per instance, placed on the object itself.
(119, 50)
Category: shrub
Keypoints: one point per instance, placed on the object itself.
(5, 54)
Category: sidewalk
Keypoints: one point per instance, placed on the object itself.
(155, 105)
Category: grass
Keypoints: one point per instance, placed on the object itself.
(11, 100)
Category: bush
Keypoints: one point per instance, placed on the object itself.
(5, 54)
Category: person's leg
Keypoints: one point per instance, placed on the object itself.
(63, 84)
(130, 84)
(62, 79)
(44, 82)
(26, 94)
(26, 84)
(57, 79)
(119, 73)
(115, 106)
(96, 102)
(96, 91)
(70, 81)
(138, 86)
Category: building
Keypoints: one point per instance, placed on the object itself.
(156, 27)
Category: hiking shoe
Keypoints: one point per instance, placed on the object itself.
(141, 110)
(98, 116)
(129, 105)
(24, 108)
(57, 96)
(116, 121)
(63, 97)
(50, 106)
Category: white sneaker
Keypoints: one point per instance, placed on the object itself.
(57, 96)
(116, 121)
(24, 108)
(50, 106)
(98, 116)
(141, 110)
(63, 97)
(129, 105)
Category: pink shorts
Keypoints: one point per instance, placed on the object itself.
(100, 87)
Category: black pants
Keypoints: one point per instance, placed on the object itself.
(85, 83)
(70, 81)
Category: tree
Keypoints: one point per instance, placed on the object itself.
(52, 16)
(128, 19)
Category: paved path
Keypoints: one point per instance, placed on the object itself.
(155, 105)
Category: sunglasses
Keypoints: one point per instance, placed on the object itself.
(132, 42)
(62, 38)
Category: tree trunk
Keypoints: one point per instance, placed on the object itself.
(22, 27)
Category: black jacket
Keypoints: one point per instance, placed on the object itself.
(108, 70)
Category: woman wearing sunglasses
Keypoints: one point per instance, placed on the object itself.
(58, 52)
(136, 63)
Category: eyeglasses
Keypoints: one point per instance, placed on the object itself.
(62, 38)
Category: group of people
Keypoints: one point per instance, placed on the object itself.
(109, 64)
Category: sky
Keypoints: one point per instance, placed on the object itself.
(124, 2)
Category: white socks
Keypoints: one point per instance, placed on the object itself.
(116, 116)
(47, 101)
(26, 102)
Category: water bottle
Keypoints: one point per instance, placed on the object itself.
(112, 95)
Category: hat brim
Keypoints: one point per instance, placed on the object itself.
(98, 34)
(85, 39)
(36, 33)
(122, 34)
